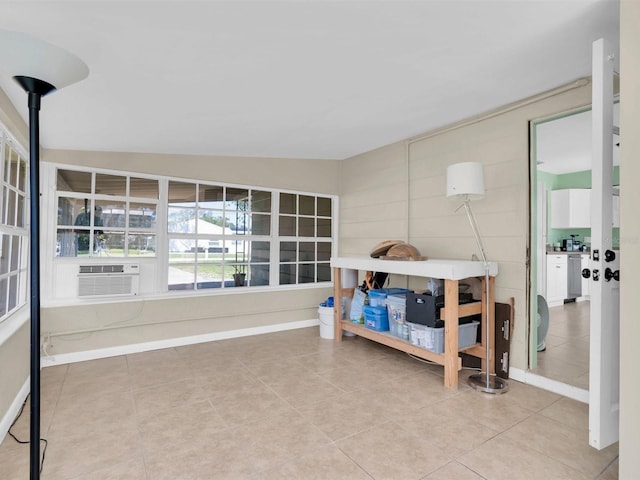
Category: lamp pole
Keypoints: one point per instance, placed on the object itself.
(36, 89)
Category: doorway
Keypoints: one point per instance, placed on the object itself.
(561, 246)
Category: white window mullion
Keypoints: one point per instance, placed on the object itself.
(274, 256)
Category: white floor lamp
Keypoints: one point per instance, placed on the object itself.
(466, 181)
(39, 68)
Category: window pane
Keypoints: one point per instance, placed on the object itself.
(307, 251)
(261, 201)
(182, 194)
(143, 188)
(181, 220)
(210, 222)
(324, 207)
(237, 199)
(324, 227)
(181, 266)
(4, 284)
(111, 184)
(306, 227)
(307, 205)
(141, 245)
(142, 215)
(22, 179)
(238, 222)
(110, 214)
(7, 163)
(15, 252)
(324, 272)
(288, 274)
(324, 251)
(13, 292)
(306, 273)
(109, 243)
(211, 196)
(66, 243)
(66, 208)
(4, 260)
(287, 226)
(288, 203)
(209, 274)
(260, 224)
(260, 252)
(11, 208)
(258, 275)
(287, 251)
(72, 181)
(21, 210)
(15, 162)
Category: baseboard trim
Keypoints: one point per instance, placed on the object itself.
(65, 358)
(13, 410)
(524, 376)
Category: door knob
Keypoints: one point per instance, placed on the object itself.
(586, 273)
(609, 256)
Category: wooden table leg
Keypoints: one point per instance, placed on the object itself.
(337, 304)
(451, 362)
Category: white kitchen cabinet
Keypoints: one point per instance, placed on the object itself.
(571, 208)
(584, 263)
(556, 279)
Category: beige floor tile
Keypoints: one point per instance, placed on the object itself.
(353, 378)
(280, 439)
(154, 400)
(305, 389)
(454, 435)
(326, 463)
(132, 469)
(218, 382)
(223, 455)
(145, 376)
(383, 453)
(324, 361)
(249, 405)
(79, 454)
(611, 473)
(500, 459)
(497, 412)
(81, 416)
(562, 443)
(345, 415)
(14, 460)
(529, 397)
(453, 471)
(178, 425)
(568, 412)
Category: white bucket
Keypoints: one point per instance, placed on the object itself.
(326, 322)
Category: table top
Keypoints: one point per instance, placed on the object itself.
(432, 268)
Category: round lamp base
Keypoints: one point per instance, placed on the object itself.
(496, 385)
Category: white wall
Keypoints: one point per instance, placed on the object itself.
(629, 239)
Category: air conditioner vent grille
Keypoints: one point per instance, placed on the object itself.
(102, 268)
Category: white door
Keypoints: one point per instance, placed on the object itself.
(604, 360)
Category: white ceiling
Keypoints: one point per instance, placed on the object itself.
(564, 145)
(313, 79)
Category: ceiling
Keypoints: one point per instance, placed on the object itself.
(313, 79)
(564, 145)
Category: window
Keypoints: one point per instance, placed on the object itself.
(305, 231)
(219, 236)
(211, 236)
(14, 236)
(105, 215)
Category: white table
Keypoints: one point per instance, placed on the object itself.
(451, 271)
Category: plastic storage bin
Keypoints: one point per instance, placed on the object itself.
(397, 313)
(378, 296)
(433, 338)
(376, 318)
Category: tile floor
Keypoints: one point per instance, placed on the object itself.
(566, 358)
(293, 405)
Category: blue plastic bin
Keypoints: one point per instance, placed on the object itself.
(376, 318)
(378, 297)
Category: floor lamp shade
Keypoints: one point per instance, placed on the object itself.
(465, 178)
(26, 56)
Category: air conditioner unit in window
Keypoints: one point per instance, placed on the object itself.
(108, 280)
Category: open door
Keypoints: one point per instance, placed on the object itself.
(604, 360)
